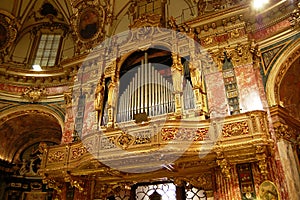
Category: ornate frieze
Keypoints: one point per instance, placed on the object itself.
(226, 151)
(143, 137)
(78, 152)
(203, 181)
(283, 131)
(239, 54)
(34, 94)
(124, 140)
(147, 20)
(56, 156)
(235, 129)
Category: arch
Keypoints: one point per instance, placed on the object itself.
(157, 45)
(25, 124)
(280, 67)
(20, 110)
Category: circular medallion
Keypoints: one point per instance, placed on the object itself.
(89, 21)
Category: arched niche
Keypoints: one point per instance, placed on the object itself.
(280, 68)
(24, 126)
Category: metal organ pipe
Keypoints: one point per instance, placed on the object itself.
(148, 91)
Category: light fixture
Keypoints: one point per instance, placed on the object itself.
(36, 68)
(259, 4)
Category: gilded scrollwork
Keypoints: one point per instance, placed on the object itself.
(68, 98)
(283, 131)
(147, 20)
(110, 68)
(108, 142)
(201, 134)
(240, 54)
(56, 156)
(78, 152)
(34, 94)
(235, 129)
(225, 167)
(125, 140)
(295, 16)
(261, 156)
(142, 137)
(169, 133)
(8, 32)
(199, 181)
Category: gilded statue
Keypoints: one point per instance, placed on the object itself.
(111, 92)
(177, 70)
(99, 94)
(196, 75)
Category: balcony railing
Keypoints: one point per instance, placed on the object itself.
(133, 146)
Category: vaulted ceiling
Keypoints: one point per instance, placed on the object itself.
(23, 129)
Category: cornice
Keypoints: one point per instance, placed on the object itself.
(209, 18)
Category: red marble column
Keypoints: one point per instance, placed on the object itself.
(217, 101)
(227, 189)
(89, 120)
(251, 97)
(69, 126)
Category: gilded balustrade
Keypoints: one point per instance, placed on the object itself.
(193, 145)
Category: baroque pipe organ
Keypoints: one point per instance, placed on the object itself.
(193, 107)
(150, 91)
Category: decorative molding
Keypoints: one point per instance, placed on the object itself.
(261, 156)
(295, 17)
(281, 66)
(88, 22)
(235, 129)
(34, 94)
(147, 20)
(8, 33)
(239, 55)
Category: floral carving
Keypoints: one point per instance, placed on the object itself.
(56, 157)
(143, 138)
(295, 16)
(77, 152)
(125, 140)
(235, 129)
(168, 134)
(201, 133)
(285, 132)
(225, 167)
(241, 54)
(108, 143)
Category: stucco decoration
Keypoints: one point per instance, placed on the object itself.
(8, 32)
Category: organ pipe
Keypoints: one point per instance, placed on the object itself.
(148, 91)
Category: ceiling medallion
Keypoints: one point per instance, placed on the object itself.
(88, 23)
